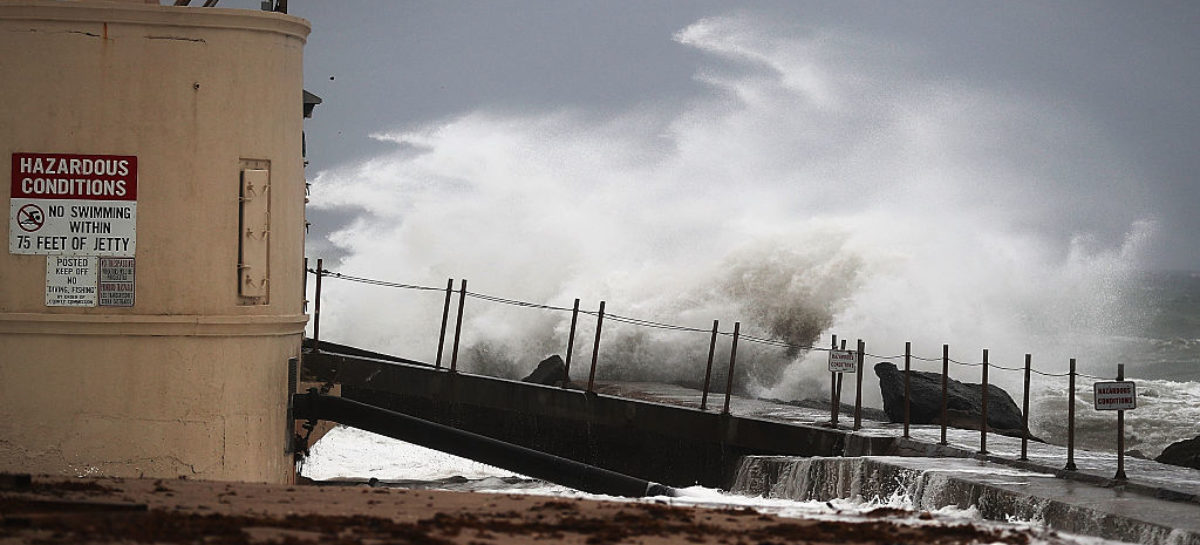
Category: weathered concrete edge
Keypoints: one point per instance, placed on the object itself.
(764, 436)
(910, 447)
(881, 479)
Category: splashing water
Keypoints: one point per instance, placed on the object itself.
(349, 453)
(816, 187)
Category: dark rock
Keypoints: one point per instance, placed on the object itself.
(550, 371)
(1184, 453)
(1137, 453)
(963, 402)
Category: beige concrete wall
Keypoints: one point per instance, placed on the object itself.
(192, 379)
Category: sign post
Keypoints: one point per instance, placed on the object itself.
(1119, 396)
(840, 361)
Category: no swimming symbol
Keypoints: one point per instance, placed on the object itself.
(31, 218)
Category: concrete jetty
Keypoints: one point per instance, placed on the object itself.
(1159, 504)
(657, 432)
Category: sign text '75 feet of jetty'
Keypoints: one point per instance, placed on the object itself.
(73, 204)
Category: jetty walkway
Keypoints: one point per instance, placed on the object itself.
(657, 432)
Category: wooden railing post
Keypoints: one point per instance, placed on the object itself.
(596, 348)
(1071, 420)
(833, 400)
(1025, 411)
(862, 347)
(462, 299)
(907, 386)
(571, 343)
(945, 385)
(840, 376)
(737, 326)
(437, 363)
(712, 350)
(1121, 432)
(983, 412)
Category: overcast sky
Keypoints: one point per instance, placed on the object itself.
(1119, 80)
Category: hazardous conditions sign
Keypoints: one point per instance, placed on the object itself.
(73, 204)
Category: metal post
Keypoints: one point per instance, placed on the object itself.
(840, 376)
(712, 350)
(983, 425)
(737, 327)
(945, 385)
(462, 299)
(862, 347)
(838, 413)
(571, 343)
(1071, 420)
(304, 286)
(1025, 411)
(907, 387)
(1121, 432)
(316, 345)
(833, 400)
(596, 348)
(437, 364)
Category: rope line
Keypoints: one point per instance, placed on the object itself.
(373, 282)
(653, 324)
(778, 343)
(514, 302)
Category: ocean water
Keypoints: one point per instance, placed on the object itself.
(1169, 346)
(1161, 354)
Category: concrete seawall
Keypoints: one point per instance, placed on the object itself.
(656, 432)
(998, 492)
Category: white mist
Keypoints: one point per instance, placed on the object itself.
(819, 187)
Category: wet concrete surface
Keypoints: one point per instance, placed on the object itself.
(1145, 477)
(997, 492)
(1158, 503)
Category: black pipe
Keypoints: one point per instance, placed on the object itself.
(477, 447)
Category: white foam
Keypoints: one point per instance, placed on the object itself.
(1167, 412)
(351, 453)
(811, 190)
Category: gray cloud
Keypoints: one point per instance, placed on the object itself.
(1124, 73)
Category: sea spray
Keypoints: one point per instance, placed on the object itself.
(812, 191)
(1167, 412)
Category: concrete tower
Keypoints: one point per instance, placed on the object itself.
(151, 293)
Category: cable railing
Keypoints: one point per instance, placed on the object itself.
(735, 335)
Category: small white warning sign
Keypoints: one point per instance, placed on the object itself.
(843, 361)
(1115, 395)
(71, 281)
(116, 282)
(73, 204)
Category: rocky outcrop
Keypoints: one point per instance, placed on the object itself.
(963, 402)
(1184, 453)
(551, 371)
